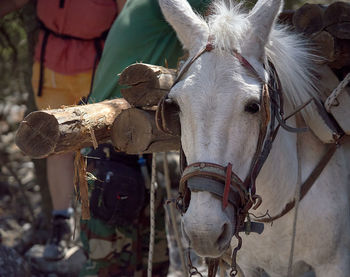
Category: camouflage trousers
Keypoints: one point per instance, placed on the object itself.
(123, 250)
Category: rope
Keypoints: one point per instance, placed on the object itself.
(152, 217)
(297, 200)
(336, 92)
(172, 214)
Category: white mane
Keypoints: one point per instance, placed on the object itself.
(289, 52)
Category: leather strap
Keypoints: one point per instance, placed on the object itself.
(209, 47)
(227, 186)
(213, 265)
(212, 177)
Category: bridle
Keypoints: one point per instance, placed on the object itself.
(235, 190)
(209, 177)
(221, 180)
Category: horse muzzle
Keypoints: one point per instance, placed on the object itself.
(206, 226)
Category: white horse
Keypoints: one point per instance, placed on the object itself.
(219, 97)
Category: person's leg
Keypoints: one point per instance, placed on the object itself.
(60, 173)
(60, 90)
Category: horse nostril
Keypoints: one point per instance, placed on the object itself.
(224, 237)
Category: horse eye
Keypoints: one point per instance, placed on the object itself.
(252, 107)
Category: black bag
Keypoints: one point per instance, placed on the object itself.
(118, 193)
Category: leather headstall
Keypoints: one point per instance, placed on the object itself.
(218, 179)
(215, 178)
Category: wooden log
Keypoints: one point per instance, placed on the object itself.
(134, 131)
(308, 19)
(325, 46)
(337, 20)
(342, 54)
(286, 17)
(340, 30)
(46, 132)
(341, 73)
(147, 83)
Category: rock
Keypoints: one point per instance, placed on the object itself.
(69, 266)
(12, 264)
(14, 113)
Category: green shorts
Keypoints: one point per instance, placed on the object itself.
(123, 250)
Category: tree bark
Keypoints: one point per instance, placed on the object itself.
(134, 131)
(147, 84)
(46, 132)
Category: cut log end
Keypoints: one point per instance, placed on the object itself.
(147, 83)
(337, 12)
(325, 46)
(134, 131)
(308, 19)
(41, 140)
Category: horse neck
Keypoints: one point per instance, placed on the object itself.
(277, 181)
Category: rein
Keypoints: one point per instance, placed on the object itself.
(222, 181)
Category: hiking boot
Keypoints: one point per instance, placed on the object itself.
(57, 245)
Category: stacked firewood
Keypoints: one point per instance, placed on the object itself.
(329, 28)
(129, 123)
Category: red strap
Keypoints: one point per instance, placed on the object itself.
(227, 186)
(244, 62)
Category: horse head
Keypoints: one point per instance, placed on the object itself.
(220, 100)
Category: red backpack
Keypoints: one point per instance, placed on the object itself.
(85, 21)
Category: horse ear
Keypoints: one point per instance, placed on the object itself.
(189, 27)
(261, 18)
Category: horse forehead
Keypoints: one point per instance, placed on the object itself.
(215, 77)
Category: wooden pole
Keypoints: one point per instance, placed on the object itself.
(342, 54)
(337, 20)
(46, 132)
(325, 46)
(147, 83)
(134, 131)
(308, 19)
(286, 17)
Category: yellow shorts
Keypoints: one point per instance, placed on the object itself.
(58, 89)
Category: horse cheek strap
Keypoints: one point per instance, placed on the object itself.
(227, 186)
